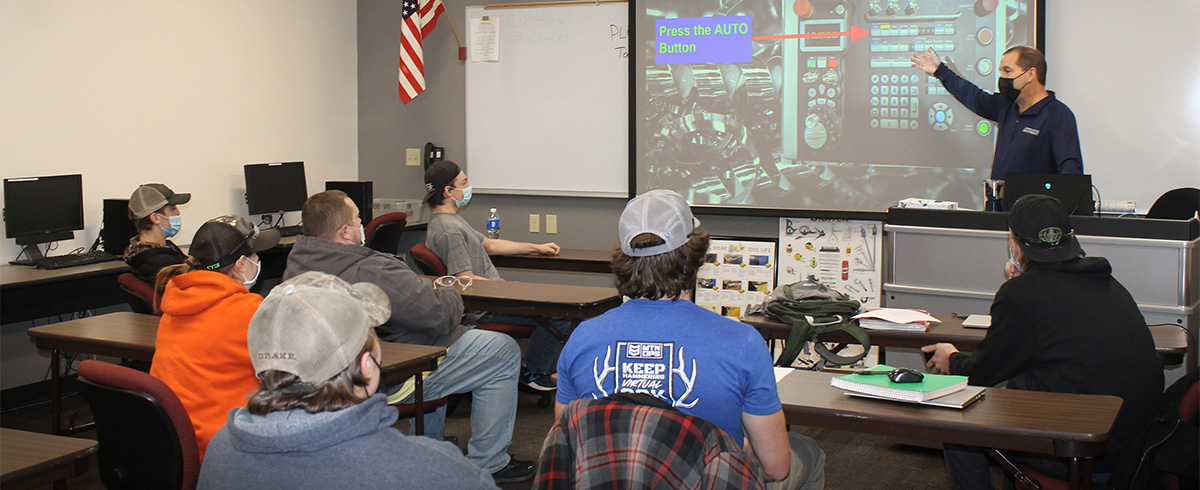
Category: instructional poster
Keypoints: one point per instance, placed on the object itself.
(842, 254)
(735, 275)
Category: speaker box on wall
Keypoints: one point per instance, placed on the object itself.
(118, 228)
(360, 192)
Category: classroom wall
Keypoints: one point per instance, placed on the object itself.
(184, 93)
(1122, 88)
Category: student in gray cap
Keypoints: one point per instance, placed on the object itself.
(662, 344)
(1062, 323)
(155, 213)
(316, 420)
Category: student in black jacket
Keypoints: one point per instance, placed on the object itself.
(1061, 323)
(155, 213)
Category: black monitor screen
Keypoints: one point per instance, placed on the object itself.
(43, 205)
(275, 187)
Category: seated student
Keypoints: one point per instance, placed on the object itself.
(316, 419)
(465, 252)
(200, 351)
(479, 362)
(1061, 323)
(702, 363)
(153, 209)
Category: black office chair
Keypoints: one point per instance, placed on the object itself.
(1181, 203)
(146, 439)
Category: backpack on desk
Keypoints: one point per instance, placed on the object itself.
(812, 308)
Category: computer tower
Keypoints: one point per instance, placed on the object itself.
(360, 192)
(117, 227)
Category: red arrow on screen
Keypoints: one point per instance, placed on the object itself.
(854, 33)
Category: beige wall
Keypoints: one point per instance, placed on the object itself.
(179, 92)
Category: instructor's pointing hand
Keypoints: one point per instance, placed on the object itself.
(927, 62)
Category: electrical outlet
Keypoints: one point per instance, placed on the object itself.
(412, 157)
(551, 224)
(535, 224)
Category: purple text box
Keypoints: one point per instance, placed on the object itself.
(703, 40)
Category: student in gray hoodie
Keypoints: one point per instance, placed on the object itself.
(483, 363)
(316, 420)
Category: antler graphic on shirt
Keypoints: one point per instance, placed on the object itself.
(688, 381)
(598, 375)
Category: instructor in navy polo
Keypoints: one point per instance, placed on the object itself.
(1037, 133)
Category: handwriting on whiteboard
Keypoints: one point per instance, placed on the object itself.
(534, 27)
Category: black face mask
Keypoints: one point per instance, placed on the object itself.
(1006, 87)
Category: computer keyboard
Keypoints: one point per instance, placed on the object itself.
(289, 230)
(73, 260)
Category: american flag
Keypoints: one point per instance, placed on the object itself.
(420, 17)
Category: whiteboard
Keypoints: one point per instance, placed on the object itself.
(550, 117)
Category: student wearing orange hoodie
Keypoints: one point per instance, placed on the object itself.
(206, 307)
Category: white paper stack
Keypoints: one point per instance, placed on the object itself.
(895, 319)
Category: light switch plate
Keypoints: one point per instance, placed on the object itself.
(551, 224)
(535, 224)
(412, 157)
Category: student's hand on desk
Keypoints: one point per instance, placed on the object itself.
(927, 62)
(940, 362)
(546, 249)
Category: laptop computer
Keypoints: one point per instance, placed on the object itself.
(1073, 190)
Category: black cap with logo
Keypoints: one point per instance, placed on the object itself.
(1043, 229)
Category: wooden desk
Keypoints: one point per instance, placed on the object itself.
(568, 259)
(540, 301)
(1170, 342)
(132, 335)
(31, 460)
(27, 292)
(1075, 427)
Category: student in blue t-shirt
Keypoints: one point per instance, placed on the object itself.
(661, 344)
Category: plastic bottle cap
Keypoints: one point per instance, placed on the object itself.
(493, 210)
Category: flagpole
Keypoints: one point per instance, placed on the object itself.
(462, 52)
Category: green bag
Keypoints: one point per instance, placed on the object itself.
(812, 315)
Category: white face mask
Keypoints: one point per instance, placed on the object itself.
(362, 235)
(257, 269)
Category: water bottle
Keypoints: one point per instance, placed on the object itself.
(493, 224)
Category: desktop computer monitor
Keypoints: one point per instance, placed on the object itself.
(275, 187)
(42, 210)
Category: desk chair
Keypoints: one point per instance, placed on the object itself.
(138, 294)
(1181, 203)
(145, 436)
(631, 440)
(383, 233)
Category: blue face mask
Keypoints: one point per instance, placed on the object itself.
(1014, 262)
(466, 199)
(175, 223)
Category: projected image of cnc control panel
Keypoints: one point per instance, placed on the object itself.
(883, 109)
(821, 75)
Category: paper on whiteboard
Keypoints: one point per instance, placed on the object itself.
(485, 39)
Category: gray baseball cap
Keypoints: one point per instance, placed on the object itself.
(148, 198)
(314, 325)
(660, 212)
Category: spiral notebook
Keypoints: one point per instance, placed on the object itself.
(931, 387)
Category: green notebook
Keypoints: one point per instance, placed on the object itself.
(932, 386)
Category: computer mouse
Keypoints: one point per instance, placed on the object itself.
(905, 375)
